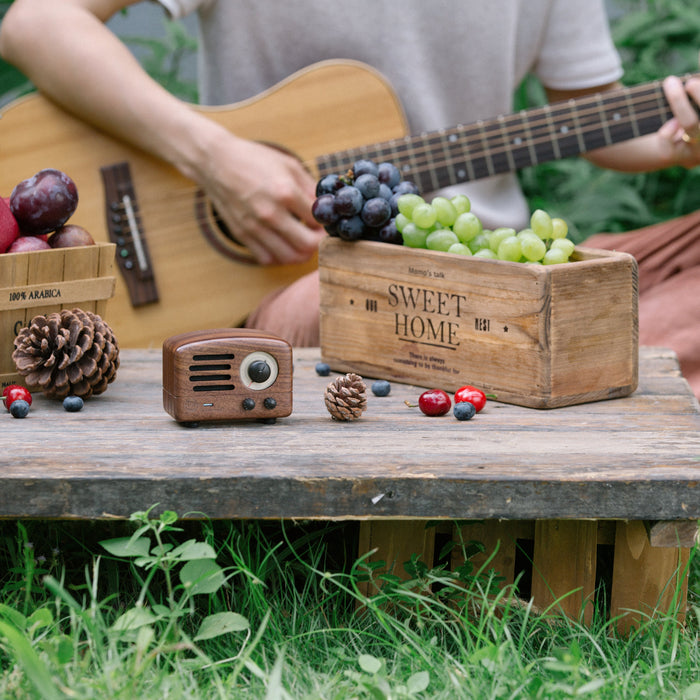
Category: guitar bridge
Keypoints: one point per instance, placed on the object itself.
(125, 229)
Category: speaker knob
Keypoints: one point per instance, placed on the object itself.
(259, 371)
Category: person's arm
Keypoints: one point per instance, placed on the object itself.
(264, 196)
(662, 149)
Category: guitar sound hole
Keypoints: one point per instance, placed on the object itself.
(217, 233)
(221, 224)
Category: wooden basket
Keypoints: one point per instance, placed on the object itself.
(45, 281)
(532, 335)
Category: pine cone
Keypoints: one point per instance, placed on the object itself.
(345, 397)
(67, 352)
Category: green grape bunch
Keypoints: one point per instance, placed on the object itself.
(450, 226)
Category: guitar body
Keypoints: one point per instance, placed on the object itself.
(328, 107)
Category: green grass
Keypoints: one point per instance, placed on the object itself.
(278, 613)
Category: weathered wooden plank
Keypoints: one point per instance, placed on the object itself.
(631, 458)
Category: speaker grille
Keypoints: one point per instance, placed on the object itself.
(212, 372)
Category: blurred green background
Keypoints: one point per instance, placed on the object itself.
(655, 38)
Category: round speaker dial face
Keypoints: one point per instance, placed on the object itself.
(252, 370)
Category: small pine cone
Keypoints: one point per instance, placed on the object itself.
(67, 352)
(346, 397)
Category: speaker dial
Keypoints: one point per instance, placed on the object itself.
(258, 370)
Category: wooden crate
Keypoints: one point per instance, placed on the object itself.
(532, 335)
(45, 281)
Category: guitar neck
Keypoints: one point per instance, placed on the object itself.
(463, 153)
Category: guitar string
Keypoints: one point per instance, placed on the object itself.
(511, 126)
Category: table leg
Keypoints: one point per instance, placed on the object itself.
(646, 578)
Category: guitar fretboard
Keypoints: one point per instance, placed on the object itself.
(463, 153)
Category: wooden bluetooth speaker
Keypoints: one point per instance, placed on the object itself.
(227, 374)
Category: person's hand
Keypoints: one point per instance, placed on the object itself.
(264, 196)
(680, 136)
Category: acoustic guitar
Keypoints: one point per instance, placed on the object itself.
(180, 271)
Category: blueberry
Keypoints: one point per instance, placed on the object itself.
(19, 408)
(322, 369)
(381, 387)
(72, 403)
(464, 410)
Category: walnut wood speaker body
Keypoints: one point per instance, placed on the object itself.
(227, 374)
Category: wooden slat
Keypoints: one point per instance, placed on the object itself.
(395, 541)
(646, 578)
(499, 538)
(564, 566)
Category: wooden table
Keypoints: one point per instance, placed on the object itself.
(623, 473)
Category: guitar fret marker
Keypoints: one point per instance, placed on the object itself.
(577, 125)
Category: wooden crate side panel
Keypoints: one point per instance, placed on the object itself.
(429, 318)
(44, 282)
(14, 270)
(594, 329)
(532, 335)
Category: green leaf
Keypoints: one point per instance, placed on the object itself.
(132, 619)
(168, 517)
(370, 664)
(42, 617)
(692, 692)
(591, 687)
(193, 550)
(64, 650)
(418, 682)
(202, 576)
(127, 547)
(221, 623)
(13, 616)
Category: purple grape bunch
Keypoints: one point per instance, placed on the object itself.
(362, 203)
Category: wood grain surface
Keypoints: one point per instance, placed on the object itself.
(635, 458)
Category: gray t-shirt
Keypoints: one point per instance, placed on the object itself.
(449, 61)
